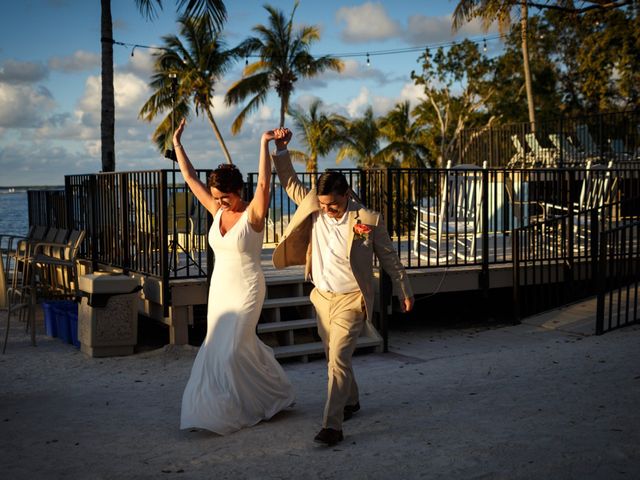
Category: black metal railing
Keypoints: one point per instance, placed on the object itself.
(618, 277)
(47, 208)
(461, 216)
(465, 216)
(563, 142)
(144, 222)
(556, 261)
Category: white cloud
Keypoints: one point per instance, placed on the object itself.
(17, 72)
(353, 70)
(88, 109)
(131, 92)
(43, 163)
(412, 92)
(24, 105)
(382, 105)
(422, 29)
(141, 64)
(367, 22)
(79, 61)
(221, 111)
(359, 104)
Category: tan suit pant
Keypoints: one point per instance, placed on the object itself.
(341, 317)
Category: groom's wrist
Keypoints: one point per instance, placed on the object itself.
(280, 151)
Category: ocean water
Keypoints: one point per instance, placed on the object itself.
(14, 216)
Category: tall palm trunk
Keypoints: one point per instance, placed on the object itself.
(312, 166)
(525, 60)
(107, 122)
(218, 136)
(312, 163)
(284, 101)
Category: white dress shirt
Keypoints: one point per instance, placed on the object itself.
(330, 267)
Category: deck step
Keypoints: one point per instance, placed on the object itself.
(285, 279)
(286, 325)
(286, 302)
(303, 349)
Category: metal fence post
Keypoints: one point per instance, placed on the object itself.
(570, 243)
(595, 236)
(386, 308)
(601, 282)
(484, 276)
(516, 276)
(93, 219)
(164, 244)
(124, 216)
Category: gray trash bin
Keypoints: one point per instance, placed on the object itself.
(108, 314)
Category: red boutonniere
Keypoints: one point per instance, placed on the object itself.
(362, 231)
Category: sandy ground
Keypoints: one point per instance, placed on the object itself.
(472, 403)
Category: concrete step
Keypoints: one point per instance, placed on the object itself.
(286, 302)
(305, 349)
(286, 325)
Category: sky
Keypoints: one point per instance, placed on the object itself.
(50, 79)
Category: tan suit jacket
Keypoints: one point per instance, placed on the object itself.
(295, 246)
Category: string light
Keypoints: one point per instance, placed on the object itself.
(367, 54)
(484, 45)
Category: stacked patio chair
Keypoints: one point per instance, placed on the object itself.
(43, 270)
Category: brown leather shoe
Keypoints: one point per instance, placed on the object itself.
(329, 436)
(349, 410)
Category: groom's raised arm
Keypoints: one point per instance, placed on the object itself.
(288, 177)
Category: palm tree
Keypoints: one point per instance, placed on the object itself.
(213, 10)
(283, 58)
(318, 133)
(359, 141)
(500, 10)
(195, 67)
(406, 137)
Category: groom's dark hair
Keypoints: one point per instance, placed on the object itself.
(332, 182)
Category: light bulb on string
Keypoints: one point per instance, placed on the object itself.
(484, 45)
(368, 61)
(246, 61)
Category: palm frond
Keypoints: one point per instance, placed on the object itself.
(253, 105)
(298, 156)
(255, 85)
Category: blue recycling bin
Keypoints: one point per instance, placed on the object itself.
(50, 324)
(72, 315)
(62, 311)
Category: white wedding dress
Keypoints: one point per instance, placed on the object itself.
(235, 380)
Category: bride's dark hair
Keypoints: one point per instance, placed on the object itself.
(226, 178)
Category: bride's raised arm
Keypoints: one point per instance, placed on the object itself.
(199, 189)
(257, 210)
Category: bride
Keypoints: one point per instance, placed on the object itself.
(235, 380)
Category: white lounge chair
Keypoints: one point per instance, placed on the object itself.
(450, 225)
(544, 156)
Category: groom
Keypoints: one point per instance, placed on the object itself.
(336, 238)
